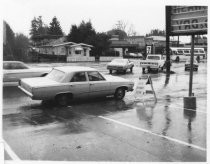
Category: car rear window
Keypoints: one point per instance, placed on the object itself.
(55, 75)
(119, 61)
(153, 57)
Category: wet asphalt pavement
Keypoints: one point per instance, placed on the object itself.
(134, 129)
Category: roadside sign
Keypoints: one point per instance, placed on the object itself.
(149, 49)
(144, 86)
(188, 20)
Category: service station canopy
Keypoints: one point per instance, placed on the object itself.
(188, 20)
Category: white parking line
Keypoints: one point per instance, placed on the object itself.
(147, 131)
(10, 152)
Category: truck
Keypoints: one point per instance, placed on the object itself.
(153, 62)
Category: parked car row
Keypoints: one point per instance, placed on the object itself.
(63, 84)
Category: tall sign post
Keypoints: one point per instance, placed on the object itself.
(168, 25)
(187, 20)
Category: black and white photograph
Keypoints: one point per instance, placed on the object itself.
(104, 81)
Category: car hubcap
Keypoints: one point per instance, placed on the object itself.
(120, 93)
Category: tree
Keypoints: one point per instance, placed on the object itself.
(82, 34)
(55, 28)
(101, 43)
(34, 27)
(8, 46)
(21, 47)
(122, 34)
(85, 33)
(156, 32)
(38, 27)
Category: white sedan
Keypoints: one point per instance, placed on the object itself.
(120, 65)
(13, 71)
(66, 83)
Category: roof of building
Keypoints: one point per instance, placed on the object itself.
(134, 37)
(63, 44)
(71, 44)
(82, 44)
(121, 44)
(157, 38)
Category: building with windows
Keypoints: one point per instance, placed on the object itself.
(68, 51)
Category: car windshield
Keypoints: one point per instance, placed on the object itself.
(188, 61)
(119, 61)
(56, 75)
(11, 65)
(153, 57)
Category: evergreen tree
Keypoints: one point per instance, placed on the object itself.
(38, 27)
(82, 34)
(55, 28)
(34, 27)
(21, 46)
(8, 48)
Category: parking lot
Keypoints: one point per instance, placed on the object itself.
(135, 129)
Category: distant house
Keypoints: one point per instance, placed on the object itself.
(65, 51)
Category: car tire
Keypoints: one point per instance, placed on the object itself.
(196, 69)
(119, 93)
(110, 71)
(143, 70)
(131, 69)
(177, 59)
(124, 71)
(62, 99)
(185, 69)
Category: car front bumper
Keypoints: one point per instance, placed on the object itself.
(26, 92)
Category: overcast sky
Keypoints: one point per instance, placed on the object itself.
(104, 14)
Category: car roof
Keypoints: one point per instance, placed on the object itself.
(74, 69)
(12, 62)
(119, 59)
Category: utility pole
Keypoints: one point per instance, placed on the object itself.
(168, 24)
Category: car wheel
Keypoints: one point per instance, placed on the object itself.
(177, 59)
(124, 71)
(119, 94)
(185, 69)
(110, 71)
(196, 69)
(131, 69)
(62, 99)
(143, 70)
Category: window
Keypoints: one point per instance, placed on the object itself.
(153, 57)
(56, 75)
(186, 51)
(95, 76)
(79, 77)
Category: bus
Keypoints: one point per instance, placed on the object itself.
(182, 53)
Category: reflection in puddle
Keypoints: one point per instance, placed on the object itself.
(145, 112)
(167, 115)
(190, 116)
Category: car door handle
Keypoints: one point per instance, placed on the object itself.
(91, 84)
